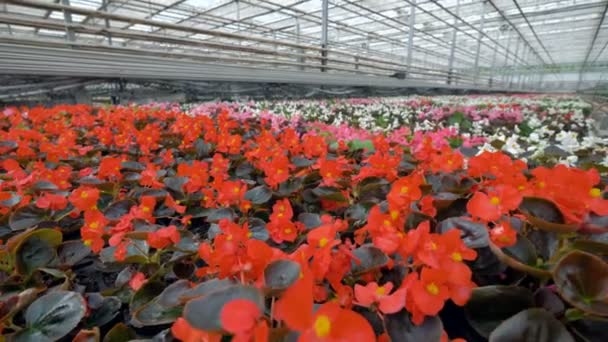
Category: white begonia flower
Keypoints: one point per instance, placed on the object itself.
(568, 141)
(512, 146)
(486, 147)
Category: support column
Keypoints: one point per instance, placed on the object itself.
(324, 38)
(520, 77)
(8, 26)
(453, 47)
(105, 4)
(479, 38)
(410, 37)
(503, 77)
(300, 59)
(67, 17)
(491, 78)
(514, 64)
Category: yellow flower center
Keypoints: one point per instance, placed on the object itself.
(288, 231)
(328, 174)
(84, 195)
(541, 185)
(456, 256)
(229, 237)
(145, 209)
(432, 289)
(495, 200)
(322, 326)
(404, 189)
(279, 171)
(394, 214)
(433, 246)
(249, 234)
(235, 190)
(521, 187)
(94, 225)
(595, 192)
(87, 242)
(450, 162)
(504, 239)
(387, 222)
(380, 291)
(323, 242)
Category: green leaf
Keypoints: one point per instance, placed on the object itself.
(43, 185)
(310, 220)
(474, 235)
(489, 306)
(329, 193)
(582, 280)
(146, 293)
(153, 313)
(103, 309)
(545, 215)
(281, 274)
(400, 328)
(26, 217)
(36, 249)
(259, 195)
(137, 253)
(171, 294)
(72, 252)
(357, 144)
(175, 184)
(118, 209)
(204, 313)
(523, 251)
(52, 316)
(132, 166)
(120, 333)
(531, 325)
(11, 202)
(368, 258)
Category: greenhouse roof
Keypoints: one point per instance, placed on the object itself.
(447, 36)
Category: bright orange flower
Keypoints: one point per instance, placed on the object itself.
(491, 206)
(163, 237)
(171, 203)
(405, 190)
(276, 170)
(84, 198)
(240, 317)
(447, 160)
(331, 170)
(51, 201)
(231, 192)
(332, 323)
(110, 168)
(149, 177)
(284, 230)
(183, 331)
(503, 235)
(430, 292)
(314, 146)
(281, 210)
(137, 281)
(380, 296)
(322, 237)
(299, 295)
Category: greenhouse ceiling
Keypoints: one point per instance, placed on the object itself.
(495, 43)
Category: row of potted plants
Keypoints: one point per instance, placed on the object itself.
(148, 223)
